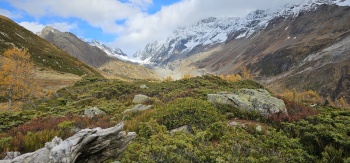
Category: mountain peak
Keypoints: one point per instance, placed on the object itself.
(114, 52)
(49, 29)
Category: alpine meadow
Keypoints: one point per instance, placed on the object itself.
(174, 81)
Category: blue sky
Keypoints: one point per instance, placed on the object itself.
(127, 24)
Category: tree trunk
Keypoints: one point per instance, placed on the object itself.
(10, 104)
(10, 98)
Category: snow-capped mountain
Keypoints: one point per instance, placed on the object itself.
(213, 31)
(114, 52)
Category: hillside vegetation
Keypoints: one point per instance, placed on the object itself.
(43, 54)
(320, 134)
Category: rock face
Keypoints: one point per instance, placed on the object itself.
(250, 99)
(139, 99)
(92, 112)
(88, 145)
(70, 43)
(138, 107)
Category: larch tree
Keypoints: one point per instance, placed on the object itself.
(246, 74)
(16, 76)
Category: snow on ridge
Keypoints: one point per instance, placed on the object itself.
(116, 52)
(217, 30)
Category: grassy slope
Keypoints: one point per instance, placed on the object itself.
(44, 54)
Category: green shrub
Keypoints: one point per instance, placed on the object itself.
(218, 143)
(147, 129)
(36, 140)
(323, 136)
(66, 125)
(5, 143)
(188, 111)
(89, 79)
(231, 111)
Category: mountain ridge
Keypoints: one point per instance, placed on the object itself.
(302, 47)
(95, 56)
(90, 55)
(211, 31)
(114, 52)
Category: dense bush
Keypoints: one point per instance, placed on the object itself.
(296, 111)
(218, 143)
(188, 111)
(326, 136)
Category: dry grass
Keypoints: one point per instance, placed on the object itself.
(127, 71)
(51, 81)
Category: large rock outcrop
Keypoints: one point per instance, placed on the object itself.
(88, 146)
(250, 99)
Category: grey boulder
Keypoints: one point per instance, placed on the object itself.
(137, 108)
(92, 112)
(139, 99)
(250, 100)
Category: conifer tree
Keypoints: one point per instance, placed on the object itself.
(16, 76)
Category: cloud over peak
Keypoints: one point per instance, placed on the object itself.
(129, 20)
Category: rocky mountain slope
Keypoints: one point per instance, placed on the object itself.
(304, 46)
(67, 41)
(95, 54)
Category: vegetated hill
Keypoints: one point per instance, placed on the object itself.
(214, 132)
(304, 46)
(43, 53)
(94, 54)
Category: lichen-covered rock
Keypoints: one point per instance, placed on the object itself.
(250, 99)
(184, 129)
(143, 86)
(258, 128)
(88, 145)
(139, 99)
(138, 107)
(92, 112)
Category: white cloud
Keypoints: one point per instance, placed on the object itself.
(63, 26)
(36, 27)
(98, 13)
(142, 4)
(9, 14)
(140, 28)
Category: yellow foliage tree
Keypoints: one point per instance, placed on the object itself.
(16, 76)
(187, 76)
(168, 79)
(342, 102)
(246, 74)
(233, 78)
